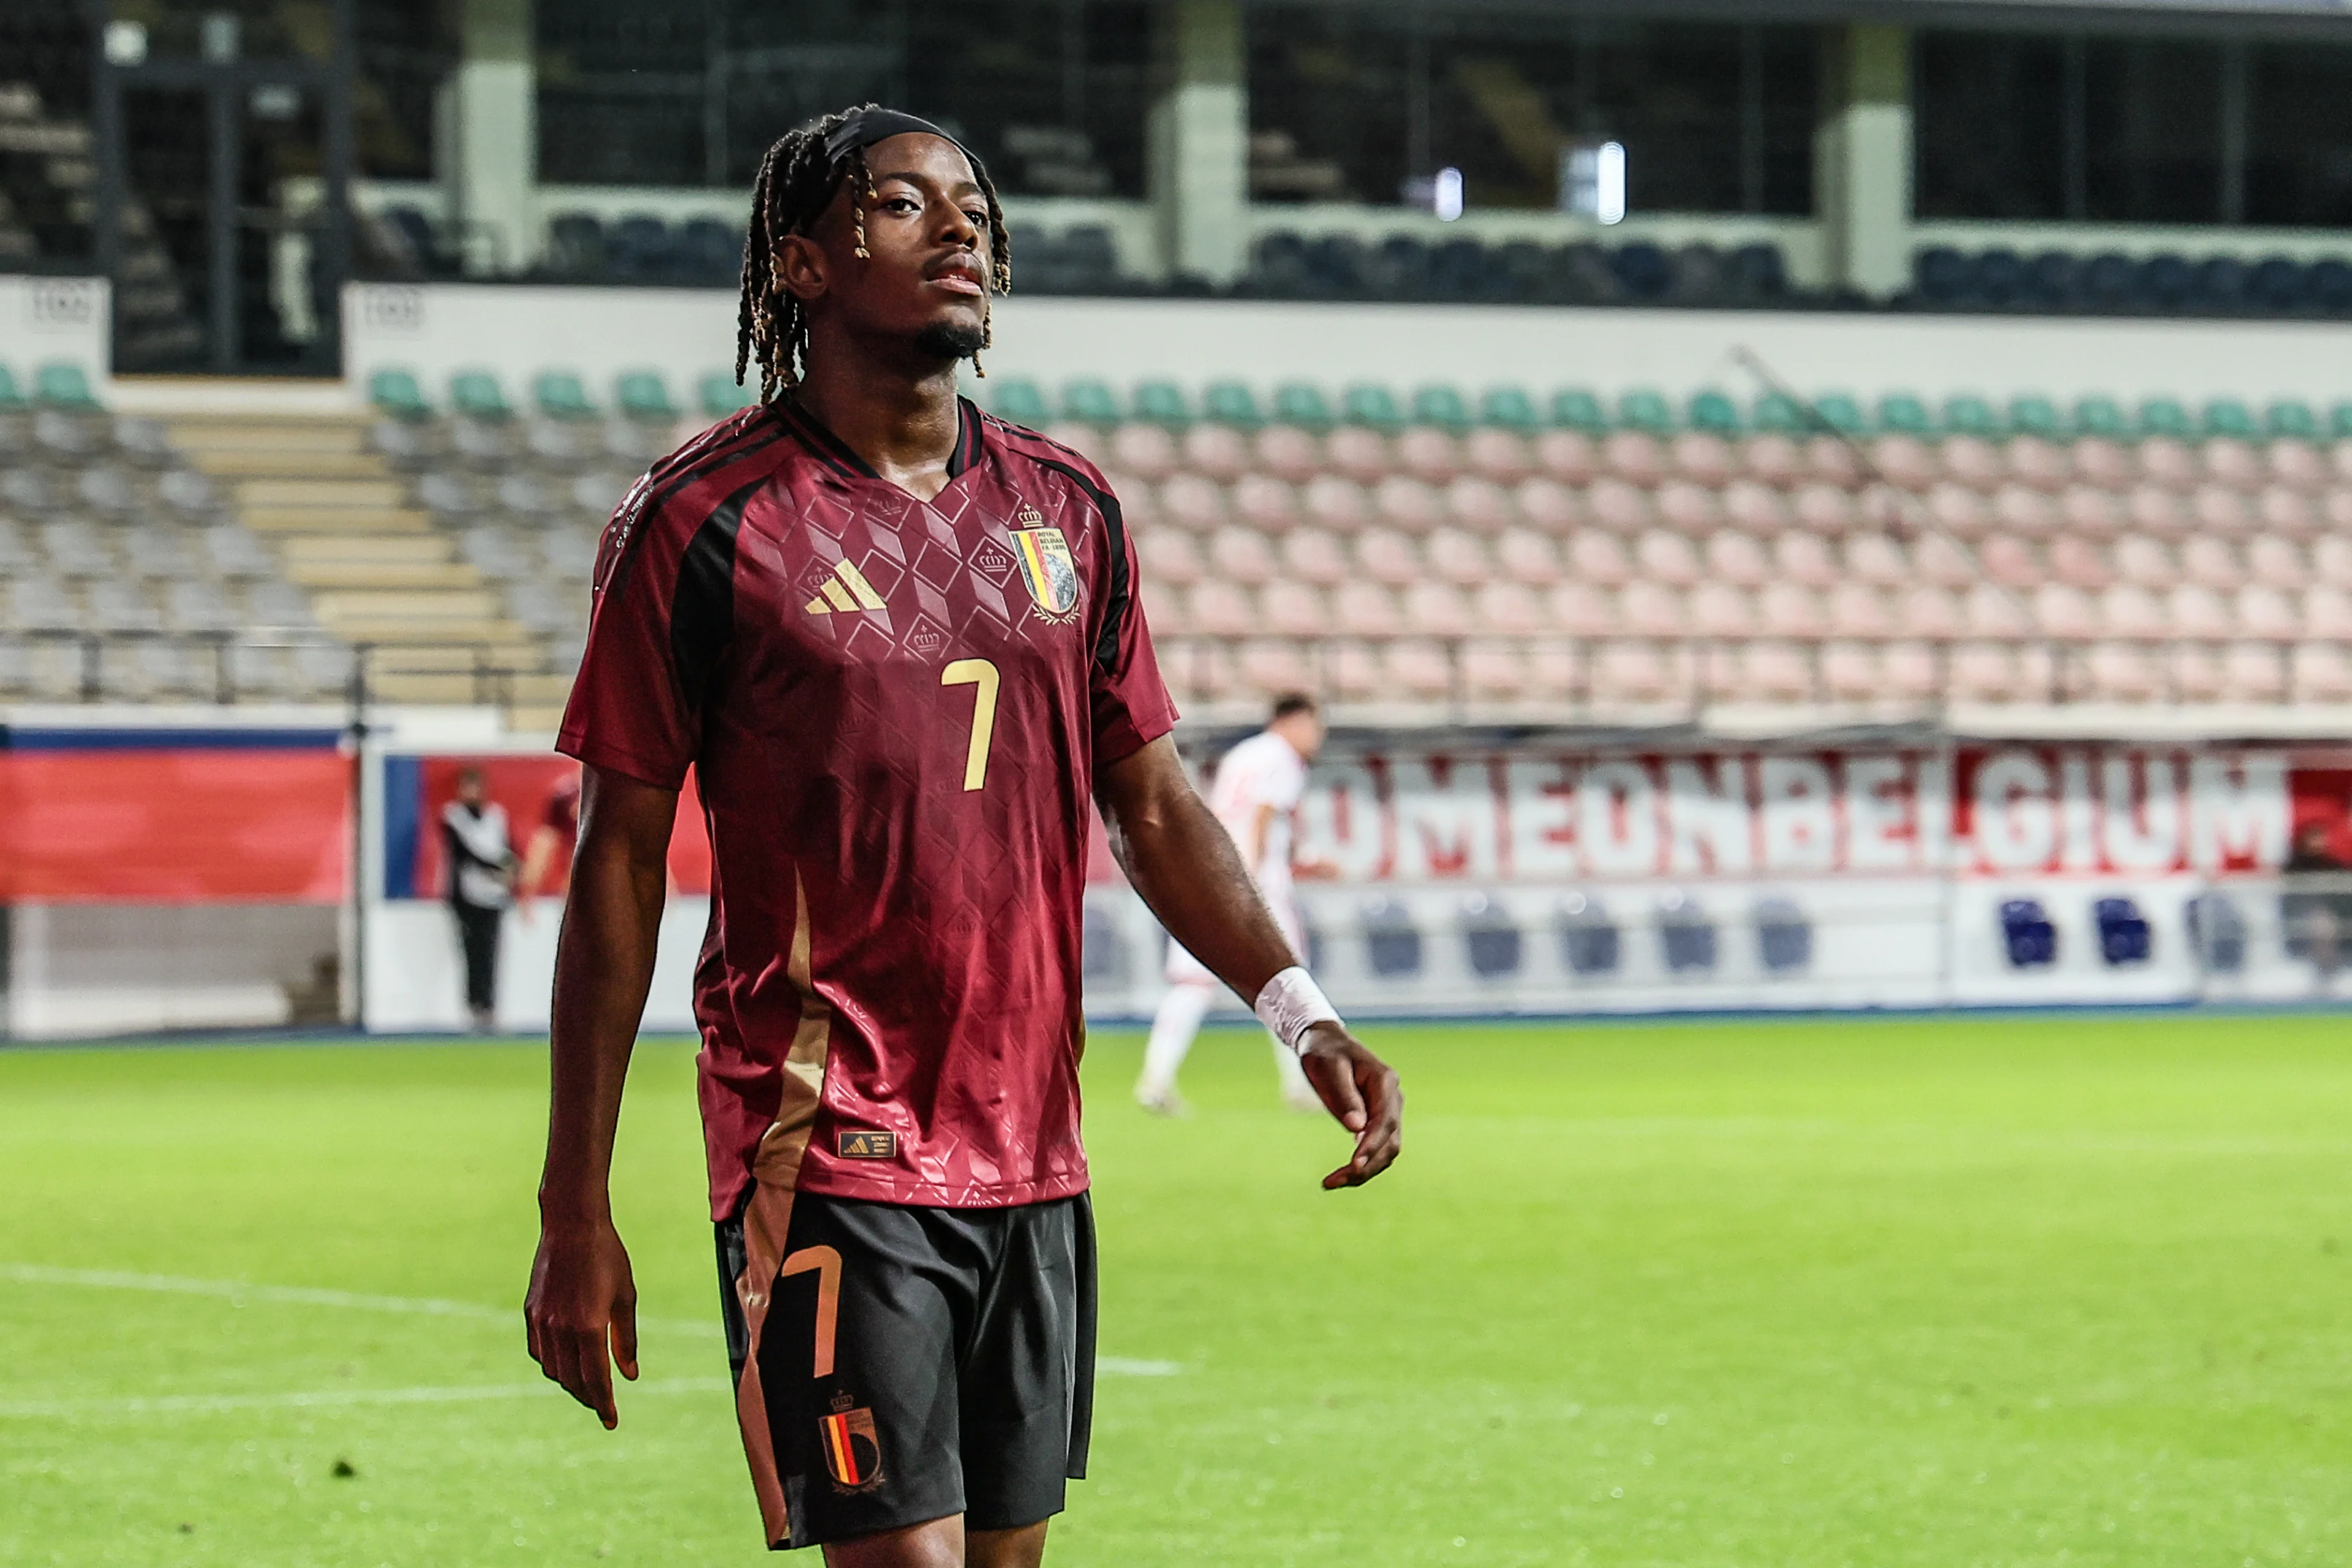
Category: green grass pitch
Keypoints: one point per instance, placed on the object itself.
(1949, 1292)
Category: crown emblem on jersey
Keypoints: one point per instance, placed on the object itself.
(1030, 517)
(1047, 568)
(846, 589)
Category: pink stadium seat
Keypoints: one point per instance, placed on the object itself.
(2146, 563)
(1429, 455)
(1859, 610)
(1930, 612)
(1958, 509)
(2233, 462)
(2132, 611)
(1833, 461)
(1701, 458)
(2268, 614)
(1492, 672)
(1265, 503)
(1138, 501)
(2120, 672)
(1823, 508)
(1983, 672)
(1944, 562)
(1419, 669)
(2322, 673)
(1791, 610)
(1755, 506)
(1167, 608)
(1242, 555)
(1289, 454)
(2195, 671)
(2199, 611)
(1437, 610)
(1084, 439)
(1850, 672)
(1666, 557)
(1805, 559)
(2222, 509)
(1634, 672)
(2331, 560)
(1500, 456)
(2339, 460)
(2283, 510)
(1653, 610)
(1312, 556)
(2042, 464)
(2255, 672)
(2009, 561)
(1618, 506)
(1598, 558)
(2091, 513)
(2064, 612)
(1509, 608)
(2024, 510)
(2335, 507)
(2102, 463)
(1360, 454)
(1457, 557)
(1911, 670)
(1219, 451)
(1736, 558)
(1386, 556)
(1774, 461)
(2211, 563)
(1692, 508)
(1336, 504)
(1146, 449)
(1774, 672)
(2079, 564)
(1294, 610)
(1408, 504)
(1203, 670)
(1719, 610)
(1526, 556)
(1906, 462)
(1481, 505)
(1269, 667)
(1974, 462)
(1877, 559)
(2327, 613)
(1353, 671)
(2297, 465)
(2169, 463)
(1220, 610)
(1554, 672)
(1365, 610)
(1168, 556)
(2152, 508)
(1188, 501)
(1990, 612)
(1716, 671)
(1566, 456)
(1635, 458)
(1581, 610)
(2277, 562)
(1550, 506)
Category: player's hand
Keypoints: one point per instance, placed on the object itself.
(583, 1305)
(1363, 1096)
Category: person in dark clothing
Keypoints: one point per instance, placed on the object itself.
(481, 885)
(2316, 911)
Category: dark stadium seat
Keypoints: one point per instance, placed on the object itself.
(2329, 283)
(2280, 284)
(709, 253)
(415, 233)
(639, 250)
(1588, 938)
(1587, 275)
(1281, 268)
(1943, 276)
(1784, 937)
(1686, 934)
(1756, 274)
(1697, 276)
(1490, 937)
(2217, 931)
(2124, 933)
(2108, 280)
(1458, 272)
(1524, 271)
(1398, 268)
(1391, 941)
(2164, 282)
(2220, 284)
(2028, 937)
(576, 247)
(2051, 281)
(2001, 276)
(1089, 257)
(1339, 265)
(1642, 270)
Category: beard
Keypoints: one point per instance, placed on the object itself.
(950, 340)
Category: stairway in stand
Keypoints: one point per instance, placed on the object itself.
(377, 571)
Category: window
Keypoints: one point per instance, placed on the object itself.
(2298, 137)
(1989, 118)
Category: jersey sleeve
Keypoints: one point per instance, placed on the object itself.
(1130, 704)
(630, 710)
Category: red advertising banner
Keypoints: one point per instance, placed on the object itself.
(541, 797)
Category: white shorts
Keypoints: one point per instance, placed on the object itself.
(1184, 969)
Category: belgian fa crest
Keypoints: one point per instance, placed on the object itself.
(1047, 566)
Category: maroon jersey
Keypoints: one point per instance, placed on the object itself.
(896, 709)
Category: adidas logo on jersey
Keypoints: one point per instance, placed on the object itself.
(846, 589)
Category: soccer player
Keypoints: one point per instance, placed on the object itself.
(1256, 787)
(899, 643)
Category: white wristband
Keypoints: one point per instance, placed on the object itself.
(1291, 1003)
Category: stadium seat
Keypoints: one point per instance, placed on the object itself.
(2028, 936)
(2278, 284)
(1490, 937)
(2217, 931)
(1302, 403)
(1635, 457)
(1686, 936)
(1373, 407)
(1358, 452)
(2227, 416)
(1442, 407)
(1784, 937)
(2163, 417)
(2102, 416)
(1590, 943)
(1221, 453)
(1233, 404)
(1146, 450)
(2163, 282)
(2221, 284)
(1089, 402)
(1428, 454)
(397, 394)
(1645, 411)
(2125, 937)
(640, 249)
(1970, 414)
(1019, 400)
(1391, 940)
(1904, 413)
(1289, 453)
(63, 385)
(476, 393)
(1642, 269)
(643, 394)
(1510, 408)
(2328, 286)
(2289, 420)
(1162, 403)
(1574, 408)
(1711, 411)
(2031, 415)
(708, 253)
(720, 395)
(561, 395)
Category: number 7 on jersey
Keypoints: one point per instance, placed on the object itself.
(976, 672)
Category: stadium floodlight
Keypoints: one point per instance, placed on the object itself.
(1592, 180)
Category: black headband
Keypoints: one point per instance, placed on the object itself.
(864, 127)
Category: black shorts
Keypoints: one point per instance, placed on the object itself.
(907, 1363)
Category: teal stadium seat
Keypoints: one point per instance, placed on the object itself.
(2035, 416)
(1904, 413)
(1574, 408)
(1162, 403)
(2102, 416)
(1841, 413)
(2339, 420)
(396, 393)
(475, 394)
(1020, 400)
(2227, 416)
(1370, 405)
(1510, 408)
(1230, 403)
(60, 385)
(1302, 402)
(1777, 413)
(1089, 403)
(643, 394)
(1714, 413)
(1443, 407)
(1643, 409)
(719, 396)
(2163, 417)
(1968, 415)
(12, 396)
(2288, 420)
(559, 395)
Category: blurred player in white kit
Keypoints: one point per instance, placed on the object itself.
(1256, 789)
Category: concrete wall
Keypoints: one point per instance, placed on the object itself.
(48, 319)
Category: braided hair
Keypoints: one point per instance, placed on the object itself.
(795, 183)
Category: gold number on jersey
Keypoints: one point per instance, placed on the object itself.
(827, 1264)
(981, 673)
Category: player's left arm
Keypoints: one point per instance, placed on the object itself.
(1184, 863)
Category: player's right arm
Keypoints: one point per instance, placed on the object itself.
(581, 1314)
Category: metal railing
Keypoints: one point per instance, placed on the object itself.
(227, 669)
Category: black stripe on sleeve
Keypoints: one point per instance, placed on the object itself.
(702, 607)
(1115, 602)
